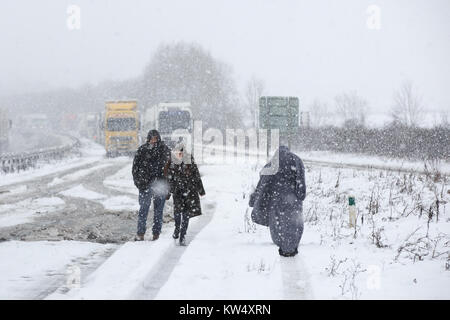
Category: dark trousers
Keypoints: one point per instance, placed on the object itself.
(181, 220)
(145, 199)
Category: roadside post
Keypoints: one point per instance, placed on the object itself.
(352, 211)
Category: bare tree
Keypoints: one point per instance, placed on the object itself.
(187, 72)
(253, 91)
(352, 108)
(319, 112)
(407, 109)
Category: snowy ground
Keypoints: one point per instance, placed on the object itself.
(32, 270)
(398, 250)
(29, 140)
(349, 159)
(90, 153)
(394, 252)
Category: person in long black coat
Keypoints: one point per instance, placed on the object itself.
(148, 175)
(278, 200)
(186, 185)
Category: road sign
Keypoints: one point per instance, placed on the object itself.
(278, 113)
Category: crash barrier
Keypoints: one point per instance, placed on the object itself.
(19, 161)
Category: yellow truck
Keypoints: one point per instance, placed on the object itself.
(121, 127)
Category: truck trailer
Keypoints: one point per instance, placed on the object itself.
(173, 120)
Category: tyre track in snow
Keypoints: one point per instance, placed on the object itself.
(39, 186)
(79, 216)
(161, 272)
(56, 281)
(42, 186)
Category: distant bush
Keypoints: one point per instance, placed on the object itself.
(392, 141)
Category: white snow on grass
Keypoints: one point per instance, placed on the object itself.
(26, 268)
(377, 161)
(81, 192)
(395, 251)
(24, 211)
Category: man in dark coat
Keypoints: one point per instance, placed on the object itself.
(148, 175)
(278, 201)
(186, 186)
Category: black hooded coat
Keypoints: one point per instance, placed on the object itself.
(185, 185)
(149, 162)
(278, 200)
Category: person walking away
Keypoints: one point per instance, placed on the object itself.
(186, 186)
(278, 201)
(148, 175)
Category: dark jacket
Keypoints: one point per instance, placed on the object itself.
(278, 200)
(185, 185)
(149, 163)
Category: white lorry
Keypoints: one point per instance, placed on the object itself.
(90, 126)
(173, 120)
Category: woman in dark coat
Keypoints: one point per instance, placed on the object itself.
(278, 200)
(186, 186)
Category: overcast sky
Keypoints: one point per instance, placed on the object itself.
(305, 48)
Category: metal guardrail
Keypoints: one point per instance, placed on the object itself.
(19, 161)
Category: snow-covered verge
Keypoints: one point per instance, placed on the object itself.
(395, 251)
(400, 247)
(30, 270)
(90, 152)
(428, 119)
(441, 166)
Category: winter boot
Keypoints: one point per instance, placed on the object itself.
(287, 254)
(139, 237)
(182, 242)
(176, 235)
(155, 237)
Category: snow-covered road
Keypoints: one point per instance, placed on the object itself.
(224, 258)
(90, 204)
